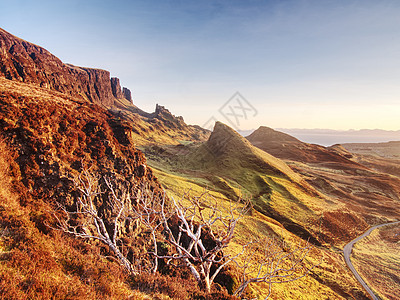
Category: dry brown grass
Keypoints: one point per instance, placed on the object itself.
(179, 285)
(37, 264)
(377, 259)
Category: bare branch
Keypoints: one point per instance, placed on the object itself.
(276, 265)
(200, 218)
(198, 229)
(86, 222)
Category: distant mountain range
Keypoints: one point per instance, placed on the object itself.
(328, 137)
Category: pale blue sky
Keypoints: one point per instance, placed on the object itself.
(301, 64)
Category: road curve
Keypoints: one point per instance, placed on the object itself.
(347, 252)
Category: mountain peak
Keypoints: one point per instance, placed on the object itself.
(268, 134)
(287, 147)
(223, 129)
(225, 139)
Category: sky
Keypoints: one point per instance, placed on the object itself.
(282, 64)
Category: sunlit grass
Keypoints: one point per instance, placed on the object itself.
(255, 226)
(377, 259)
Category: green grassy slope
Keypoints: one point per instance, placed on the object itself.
(230, 165)
(285, 206)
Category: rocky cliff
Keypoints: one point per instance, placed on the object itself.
(48, 139)
(29, 63)
(116, 88)
(127, 94)
(55, 135)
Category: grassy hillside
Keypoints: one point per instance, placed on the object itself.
(377, 259)
(389, 150)
(48, 138)
(362, 188)
(229, 164)
(285, 206)
(157, 128)
(48, 135)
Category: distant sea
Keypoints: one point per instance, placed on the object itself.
(329, 137)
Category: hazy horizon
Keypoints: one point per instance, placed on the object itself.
(329, 137)
(296, 64)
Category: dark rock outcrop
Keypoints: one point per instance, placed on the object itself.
(117, 92)
(127, 94)
(165, 115)
(116, 88)
(29, 63)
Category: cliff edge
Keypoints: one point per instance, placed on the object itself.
(29, 63)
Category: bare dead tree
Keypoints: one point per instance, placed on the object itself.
(86, 221)
(198, 229)
(199, 217)
(148, 211)
(272, 261)
(269, 261)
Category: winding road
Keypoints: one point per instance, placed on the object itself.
(347, 252)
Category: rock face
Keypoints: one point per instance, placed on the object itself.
(116, 88)
(127, 94)
(24, 62)
(29, 63)
(165, 115)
